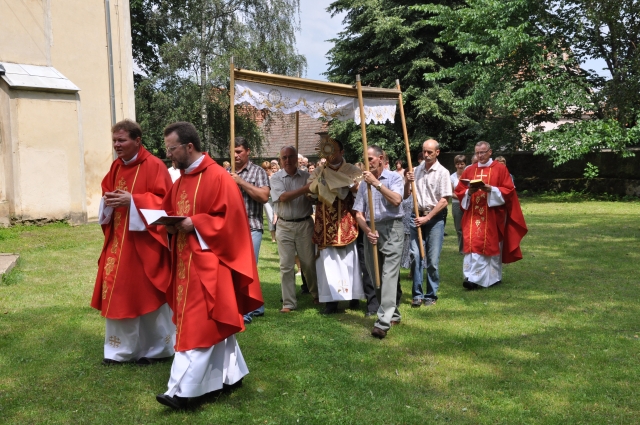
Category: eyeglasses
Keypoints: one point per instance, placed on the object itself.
(481, 152)
(172, 148)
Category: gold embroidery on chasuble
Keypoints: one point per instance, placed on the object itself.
(179, 295)
(114, 246)
(122, 185)
(117, 219)
(181, 288)
(181, 271)
(335, 225)
(182, 241)
(108, 268)
(183, 204)
(119, 232)
(480, 209)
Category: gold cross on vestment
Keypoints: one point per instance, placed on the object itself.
(482, 175)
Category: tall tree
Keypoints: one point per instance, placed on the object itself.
(384, 40)
(608, 30)
(198, 38)
(523, 70)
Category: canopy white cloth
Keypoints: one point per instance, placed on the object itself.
(315, 104)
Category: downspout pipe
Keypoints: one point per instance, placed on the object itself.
(112, 84)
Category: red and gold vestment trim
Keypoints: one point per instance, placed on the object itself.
(116, 243)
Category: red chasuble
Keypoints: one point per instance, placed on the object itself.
(134, 267)
(483, 227)
(210, 290)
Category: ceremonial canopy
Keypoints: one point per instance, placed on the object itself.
(318, 99)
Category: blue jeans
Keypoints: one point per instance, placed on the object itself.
(256, 237)
(432, 236)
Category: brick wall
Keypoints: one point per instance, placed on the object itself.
(280, 130)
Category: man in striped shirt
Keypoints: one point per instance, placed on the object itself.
(254, 186)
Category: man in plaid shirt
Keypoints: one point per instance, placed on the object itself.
(254, 185)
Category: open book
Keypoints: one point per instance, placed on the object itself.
(472, 183)
(155, 217)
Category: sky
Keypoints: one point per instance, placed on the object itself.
(317, 26)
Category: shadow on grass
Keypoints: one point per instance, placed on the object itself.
(526, 367)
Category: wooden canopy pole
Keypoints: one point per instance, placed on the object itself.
(232, 115)
(409, 166)
(297, 126)
(363, 127)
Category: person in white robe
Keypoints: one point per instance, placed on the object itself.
(334, 184)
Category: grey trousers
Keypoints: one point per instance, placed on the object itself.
(296, 237)
(389, 255)
(457, 223)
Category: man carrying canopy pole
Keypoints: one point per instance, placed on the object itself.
(431, 183)
(387, 240)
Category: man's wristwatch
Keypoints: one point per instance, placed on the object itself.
(379, 186)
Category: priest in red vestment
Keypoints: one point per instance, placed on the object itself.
(134, 268)
(214, 278)
(492, 223)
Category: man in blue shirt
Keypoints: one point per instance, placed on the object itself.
(389, 235)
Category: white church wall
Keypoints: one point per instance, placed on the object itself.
(70, 36)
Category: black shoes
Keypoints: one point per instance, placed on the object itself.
(378, 333)
(111, 362)
(147, 361)
(178, 403)
(143, 361)
(226, 387)
(416, 303)
(174, 402)
(470, 285)
(329, 310)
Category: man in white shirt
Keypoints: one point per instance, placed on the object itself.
(433, 190)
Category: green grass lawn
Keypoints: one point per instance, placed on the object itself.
(557, 342)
